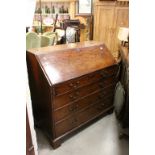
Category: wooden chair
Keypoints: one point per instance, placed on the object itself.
(73, 24)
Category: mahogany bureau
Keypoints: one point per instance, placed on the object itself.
(71, 86)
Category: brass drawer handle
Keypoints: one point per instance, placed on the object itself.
(71, 108)
(77, 93)
(77, 82)
(72, 97)
(74, 121)
(75, 86)
(71, 85)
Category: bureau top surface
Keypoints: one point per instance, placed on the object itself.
(65, 62)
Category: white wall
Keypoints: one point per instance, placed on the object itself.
(31, 119)
(30, 9)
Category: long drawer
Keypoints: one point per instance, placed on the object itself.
(65, 126)
(81, 117)
(95, 110)
(84, 80)
(69, 109)
(62, 100)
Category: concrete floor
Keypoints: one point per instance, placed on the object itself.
(100, 138)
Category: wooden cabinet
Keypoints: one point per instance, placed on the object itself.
(103, 24)
(71, 86)
(121, 20)
(108, 17)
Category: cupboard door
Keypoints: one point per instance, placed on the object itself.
(103, 25)
(121, 20)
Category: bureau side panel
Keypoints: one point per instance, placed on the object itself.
(41, 95)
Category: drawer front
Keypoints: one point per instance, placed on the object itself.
(74, 96)
(89, 114)
(93, 98)
(67, 110)
(110, 71)
(65, 126)
(106, 102)
(62, 113)
(62, 100)
(76, 83)
(106, 82)
(94, 110)
(83, 116)
(85, 80)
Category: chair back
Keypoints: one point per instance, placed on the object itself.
(53, 37)
(35, 41)
(32, 40)
(45, 41)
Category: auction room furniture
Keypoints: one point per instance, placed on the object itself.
(73, 24)
(71, 86)
(53, 37)
(47, 9)
(109, 16)
(32, 40)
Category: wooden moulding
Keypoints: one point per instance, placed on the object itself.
(122, 3)
(58, 141)
(112, 2)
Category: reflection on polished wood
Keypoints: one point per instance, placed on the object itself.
(73, 60)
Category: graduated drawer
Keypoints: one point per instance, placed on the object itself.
(84, 80)
(79, 118)
(69, 109)
(70, 97)
(65, 126)
(95, 110)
